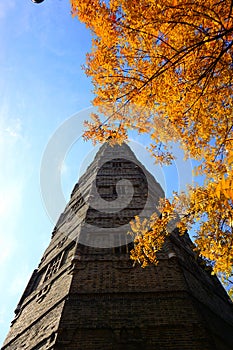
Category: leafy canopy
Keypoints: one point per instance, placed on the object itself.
(164, 68)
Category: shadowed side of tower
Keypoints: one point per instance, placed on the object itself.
(86, 294)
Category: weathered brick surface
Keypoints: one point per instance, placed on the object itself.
(36, 335)
(39, 312)
(91, 298)
(149, 320)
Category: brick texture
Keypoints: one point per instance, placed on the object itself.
(87, 295)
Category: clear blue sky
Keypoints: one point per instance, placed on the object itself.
(42, 84)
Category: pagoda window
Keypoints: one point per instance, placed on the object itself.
(116, 164)
(53, 266)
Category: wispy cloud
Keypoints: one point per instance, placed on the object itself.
(15, 129)
(13, 147)
(12, 179)
(10, 128)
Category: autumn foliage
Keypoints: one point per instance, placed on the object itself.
(164, 68)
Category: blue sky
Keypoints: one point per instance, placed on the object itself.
(42, 84)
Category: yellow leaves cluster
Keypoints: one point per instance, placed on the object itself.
(167, 65)
(213, 236)
(150, 234)
(172, 57)
(225, 188)
(113, 135)
(104, 134)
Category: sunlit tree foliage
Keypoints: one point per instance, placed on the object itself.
(164, 68)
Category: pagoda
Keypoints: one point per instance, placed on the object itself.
(86, 293)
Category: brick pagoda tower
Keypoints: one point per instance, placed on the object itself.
(87, 295)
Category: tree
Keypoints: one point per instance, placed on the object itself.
(165, 68)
